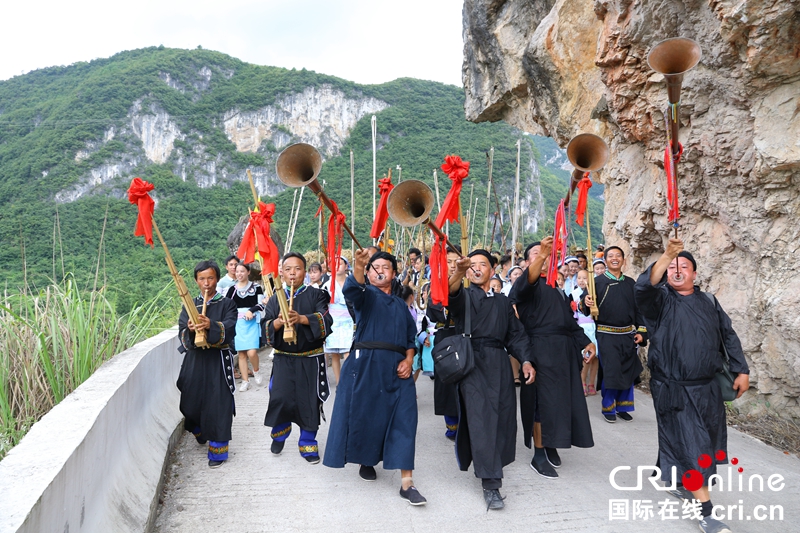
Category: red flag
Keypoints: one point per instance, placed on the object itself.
(559, 244)
(583, 196)
(256, 235)
(456, 170)
(672, 186)
(137, 194)
(382, 214)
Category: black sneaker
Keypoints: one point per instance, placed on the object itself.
(625, 416)
(214, 464)
(610, 418)
(552, 457)
(493, 499)
(412, 495)
(710, 524)
(367, 473)
(681, 493)
(312, 459)
(544, 469)
(277, 446)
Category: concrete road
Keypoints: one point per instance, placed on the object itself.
(255, 491)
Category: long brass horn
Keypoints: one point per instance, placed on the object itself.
(673, 58)
(299, 165)
(410, 203)
(586, 152)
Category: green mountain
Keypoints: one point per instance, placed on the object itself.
(71, 139)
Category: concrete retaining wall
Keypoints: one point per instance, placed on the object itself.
(94, 462)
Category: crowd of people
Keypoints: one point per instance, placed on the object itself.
(373, 320)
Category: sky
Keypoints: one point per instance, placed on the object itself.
(359, 40)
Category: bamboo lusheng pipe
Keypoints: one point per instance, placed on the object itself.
(183, 290)
(289, 334)
(593, 309)
(200, 334)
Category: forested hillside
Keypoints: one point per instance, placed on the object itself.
(68, 152)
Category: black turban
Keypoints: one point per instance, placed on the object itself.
(690, 257)
(484, 253)
(383, 255)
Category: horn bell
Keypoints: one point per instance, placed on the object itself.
(298, 165)
(674, 56)
(410, 203)
(587, 152)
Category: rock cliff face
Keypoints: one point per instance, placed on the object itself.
(563, 67)
(321, 116)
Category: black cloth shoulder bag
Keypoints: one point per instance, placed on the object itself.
(452, 357)
(724, 377)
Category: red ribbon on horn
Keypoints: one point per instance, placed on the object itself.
(256, 234)
(138, 194)
(672, 186)
(559, 244)
(335, 236)
(583, 197)
(382, 214)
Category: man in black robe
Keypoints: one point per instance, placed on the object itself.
(298, 386)
(487, 430)
(445, 397)
(619, 330)
(687, 331)
(206, 377)
(553, 409)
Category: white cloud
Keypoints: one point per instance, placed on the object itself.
(359, 40)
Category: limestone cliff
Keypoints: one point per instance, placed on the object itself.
(322, 116)
(564, 67)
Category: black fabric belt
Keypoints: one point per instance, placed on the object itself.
(377, 345)
(673, 399)
(487, 342)
(550, 331)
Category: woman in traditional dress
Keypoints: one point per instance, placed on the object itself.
(337, 344)
(247, 296)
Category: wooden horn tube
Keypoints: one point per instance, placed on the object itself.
(317, 190)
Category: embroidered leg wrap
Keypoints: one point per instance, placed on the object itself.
(625, 400)
(308, 443)
(217, 451)
(281, 432)
(609, 404)
(451, 422)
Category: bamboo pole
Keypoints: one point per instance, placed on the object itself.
(352, 202)
(490, 158)
(515, 228)
(374, 166)
(291, 214)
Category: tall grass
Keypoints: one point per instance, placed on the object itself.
(52, 341)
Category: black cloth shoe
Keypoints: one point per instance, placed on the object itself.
(552, 457)
(367, 473)
(544, 469)
(493, 499)
(412, 495)
(610, 418)
(277, 446)
(214, 464)
(625, 416)
(312, 459)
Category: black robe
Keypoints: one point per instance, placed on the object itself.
(298, 385)
(487, 418)
(617, 352)
(445, 398)
(556, 343)
(206, 377)
(686, 335)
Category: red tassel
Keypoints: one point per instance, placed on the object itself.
(583, 197)
(335, 236)
(138, 194)
(382, 214)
